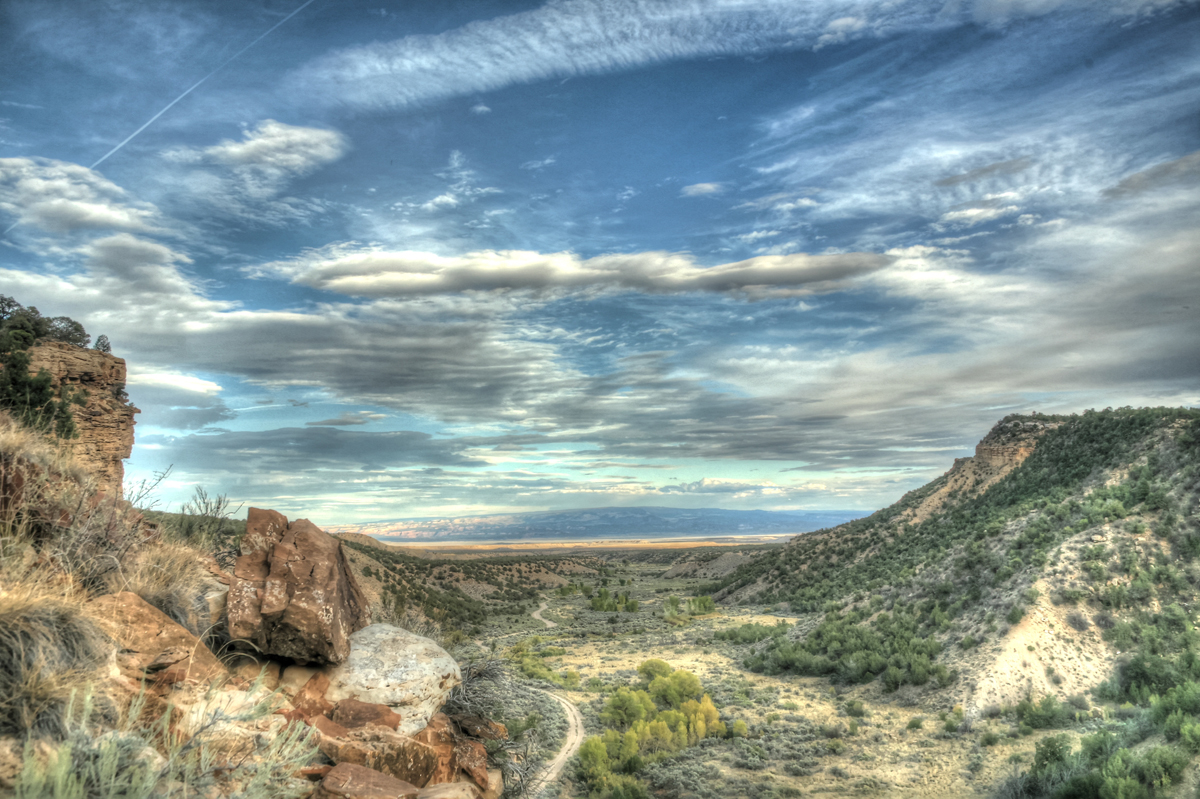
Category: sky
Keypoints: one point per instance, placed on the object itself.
(414, 259)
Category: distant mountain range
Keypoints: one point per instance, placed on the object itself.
(602, 523)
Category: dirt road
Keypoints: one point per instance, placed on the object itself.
(570, 747)
(537, 614)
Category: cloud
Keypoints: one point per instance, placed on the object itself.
(585, 37)
(292, 450)
(480, 108)
(701, 189)
(61, 197)
(542, 164)
(1009, 167)
(281, 149)
(177, 401)
(360, 271)
(1180, 171)
(349, 419)
(246, 179)
(977, 214)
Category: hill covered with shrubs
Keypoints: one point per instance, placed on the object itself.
(1072, 534)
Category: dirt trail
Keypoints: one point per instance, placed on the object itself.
(537, 614)
(570, 747)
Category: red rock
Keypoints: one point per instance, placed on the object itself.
(314, 773)
(151, 644)
(383, 750)
(353, 714)
(349, 781)
(440, 735)
(471, 758)
(292, 593)
(327, 726)
(478, 727)
(310, 700)
(264, 528)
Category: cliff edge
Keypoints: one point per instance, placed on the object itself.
(105, 421)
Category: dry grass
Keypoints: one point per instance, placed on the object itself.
(169, 577)
(48, 649)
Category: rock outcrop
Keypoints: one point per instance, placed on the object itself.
(105, 422)
(292, 593)
(393, 667)
(151, 645)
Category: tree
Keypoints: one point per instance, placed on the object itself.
(31, 398)
(625, 707)
(103, 344)
(654, 668)
(593, 759)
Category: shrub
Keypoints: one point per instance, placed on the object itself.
(653, 668)
(989, 739)
(916, 723)
(1078, 621)
(1046, 714)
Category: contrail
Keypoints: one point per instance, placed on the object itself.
(188, 91)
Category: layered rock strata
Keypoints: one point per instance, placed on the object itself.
(105, 421)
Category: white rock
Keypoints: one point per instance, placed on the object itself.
(393, 667)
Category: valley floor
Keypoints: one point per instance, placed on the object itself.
(799, 741)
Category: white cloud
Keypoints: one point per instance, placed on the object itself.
(480, 108)
(281, 148)
(181, 382)
(61, 197)
(247, 178)
(969, 217)
(581, 37)
(701, 189)
(361, 271)
(542, 164)
(757, 235)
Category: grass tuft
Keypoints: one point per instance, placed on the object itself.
(47, 648)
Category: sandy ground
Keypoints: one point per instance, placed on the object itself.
(537, 614)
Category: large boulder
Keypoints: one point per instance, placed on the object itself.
(390, 666)
(150, 644)
(292, 593)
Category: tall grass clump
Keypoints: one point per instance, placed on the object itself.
(48, 647)
(143, 758)
(168, 576)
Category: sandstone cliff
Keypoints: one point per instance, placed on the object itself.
(105, 421)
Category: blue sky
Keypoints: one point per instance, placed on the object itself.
(422, 259)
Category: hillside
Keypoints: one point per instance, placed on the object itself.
(455, 595)
(1060, 560)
